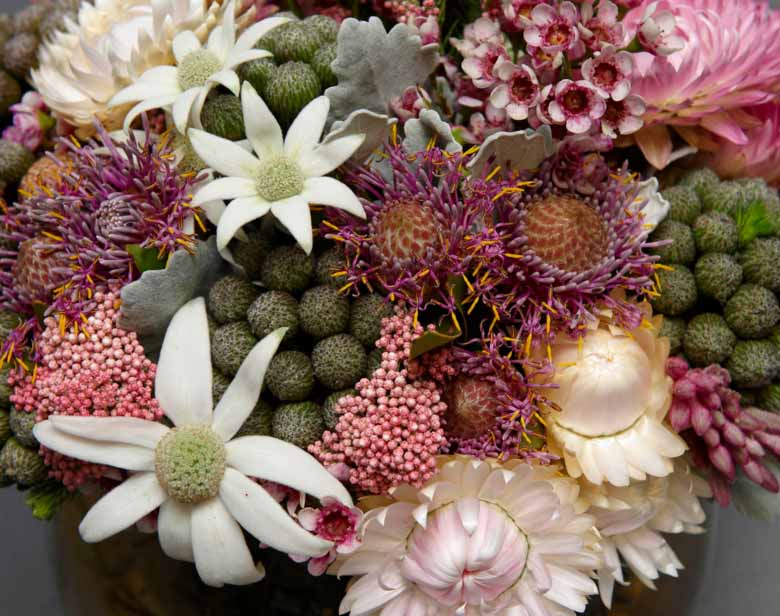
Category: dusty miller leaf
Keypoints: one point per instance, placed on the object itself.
(375, 126)
(524, 149)
(426, 129)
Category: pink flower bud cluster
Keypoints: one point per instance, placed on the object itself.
(721, 434)
(100, 371)
(408, 11)
(392, 430)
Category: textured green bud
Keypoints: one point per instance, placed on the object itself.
(700, 180)
(252, 253)
(374, 361)
(752, 312)
(290, 377)
(321, 63)
(5, 426)
(293, 86)
(300, 424)
(230, 346)
(674, 329)
(22, 424)
(329, 407)
(273, 310)
(20, 54)
(257, 72)
(230, 298)
(715, 232)
(291, 42)
(259, 423)
(222, 116)
(326, 28)
(324, 312)
(708, 340)
(339, 361)
(46, 498)
(329, 263)
(188, 159)
(10, 92)
(684, 202)
(15, 160)
(677, 293)
(20, 464)
(287, 268)
(682, 250)
(9, 321)
(725, 197)
(761, 263)
(219, 385)
(5, 388)
(753, 363)
(769, 398)
(365, 322)
(718, 276)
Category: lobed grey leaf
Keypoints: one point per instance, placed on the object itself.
(519, 150)
(419, 132)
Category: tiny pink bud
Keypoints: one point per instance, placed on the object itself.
(721, 460)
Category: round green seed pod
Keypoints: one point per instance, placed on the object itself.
(260, 422)
(682, 249)
(258, 73)
(22, 424)
(15, 160)
(219, 385)
(339, 361)
(230, 298)
(329, 265)
(5, 427)
(251, 254)
(290, 377)
(761, 263)
(329, 407)
(715, 232)
(287, 268)
(752, 312)
(272, 310)
(321, 63)
(293, 86)
(293, 42)
(326, 28)
(300, 424)
(5, 388)
(230, 346)
(718, 276)
(724, 197)
(222, 116)
(20, 54)
(21, 465)
(324, 312)
(677, 293)
(374, 362)
(708, 340)
(10, 92)
(365, 321)
(700, 180)
(674, 329)
(685, 206)
(753, 363)
(769, 398)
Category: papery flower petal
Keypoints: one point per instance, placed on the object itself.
(223, 155)
(305, 132)
(240, 212)
(184, 44)
(330, 155)
(262, 128)
(127, 430)
(294, 215)
(331, 192)
(225, 188)
(174, 527)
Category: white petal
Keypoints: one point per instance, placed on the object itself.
(262, 129)
(142, 90)
(183, 382)
(243, 392)
(182, 107)
(268, 458)
(237, 58)
(197, 106)
(122, 507)
(174, 527)
(158, 102)
(260, 514)
(214, 210)
(305, 132)
(127, 430)
(328, 156)
(227, 78)
(257, 31)
(328, 191)
(184, 44)
(295, 215)
(223, 155)
(221, 554)
(238, 213)
(119, 455)
(225, 188)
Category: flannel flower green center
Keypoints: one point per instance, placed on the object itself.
(196, 67)
(278, 178)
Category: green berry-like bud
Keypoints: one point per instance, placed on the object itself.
(230, 346)
(715, 232)
(701, 180)
(752, 312)
(324, 312)
(219, 385)
(258, 73)
(674, 329)
(769, 398)
(365, 322)
(20, 54)
(718, 276)
(326, 28)
(708, 340)
(374, 362)
(682, 249)
(222, 116)
(22, 425)
(251, 254)
(5, 427)
(20, 464)
(293, 86)
(726, 197)
(321, 63)
(290, 376)
(188, 159)
(753, 363)
(259, 422)
(677, 293)
(329, 264)
(756, 189)
(230, 298)
(273, 310)
(15, 160)
(761, 263)
(339, 361)
(684, 202)
(5, 388)
(300, 424)
(10, 92)
(329, 407)
(287, 268)
(291, 42)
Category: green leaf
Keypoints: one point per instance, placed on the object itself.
(752, 222)
(432, 340)
(145, 258)
(45, 121)
(45, 499)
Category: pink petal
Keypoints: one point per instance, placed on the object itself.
(578, 124)
(656, 144)
(724, 126)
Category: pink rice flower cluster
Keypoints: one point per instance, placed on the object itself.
(411, 12)
(99, 369)
(332, 521)
(721, 433)
(391, 431)
(30, 122)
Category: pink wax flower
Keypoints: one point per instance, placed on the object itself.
(515, 15)
(575, 103)
(602, 27)
(335, 522)
(658, 31)
(554, 29)
(623, 117)
(481, 62)
(30, 122)
(518, 90)
(610, 72)
(481, 126)
(427, 28)
(411, 103)
(484, 31)
(284, 495)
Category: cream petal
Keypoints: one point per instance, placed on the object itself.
(227, 78)
(221, 554)
(223, 155)
(174, 528)
(158, 102)
(184, 44)
(268, 458)
(183, 382)
(127, 430)
(182, 107)
(262, 129)
(237, 58)
(225, 188)
(331, 192)
(214, 210)
(295, 216)
(238, 213)
(263, 517)
(243, 392)
(142, 90)
(305, 132)
(329, 156)
(197, 105)
(122, 507)
(255, 32)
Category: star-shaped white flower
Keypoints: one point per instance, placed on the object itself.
(201, 480)
(283, 177)
(182, 89)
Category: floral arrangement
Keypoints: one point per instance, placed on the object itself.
(471, 304)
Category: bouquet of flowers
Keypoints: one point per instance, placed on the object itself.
(467, 303)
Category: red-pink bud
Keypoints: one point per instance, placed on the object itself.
(701, 418)
(711, 437)
(733, 435)
(680, 415)
(721, 460)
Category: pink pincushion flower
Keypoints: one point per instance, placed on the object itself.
(623, 117)
(576, 104)
(610, 71)
(27, 128)
(554, 29)
(334, 522)
(601, 28)
(518, 90)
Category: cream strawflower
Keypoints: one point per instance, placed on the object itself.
(283, 176)
(201, 480)
(183, 88)
(477, 540)
(613, 394)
